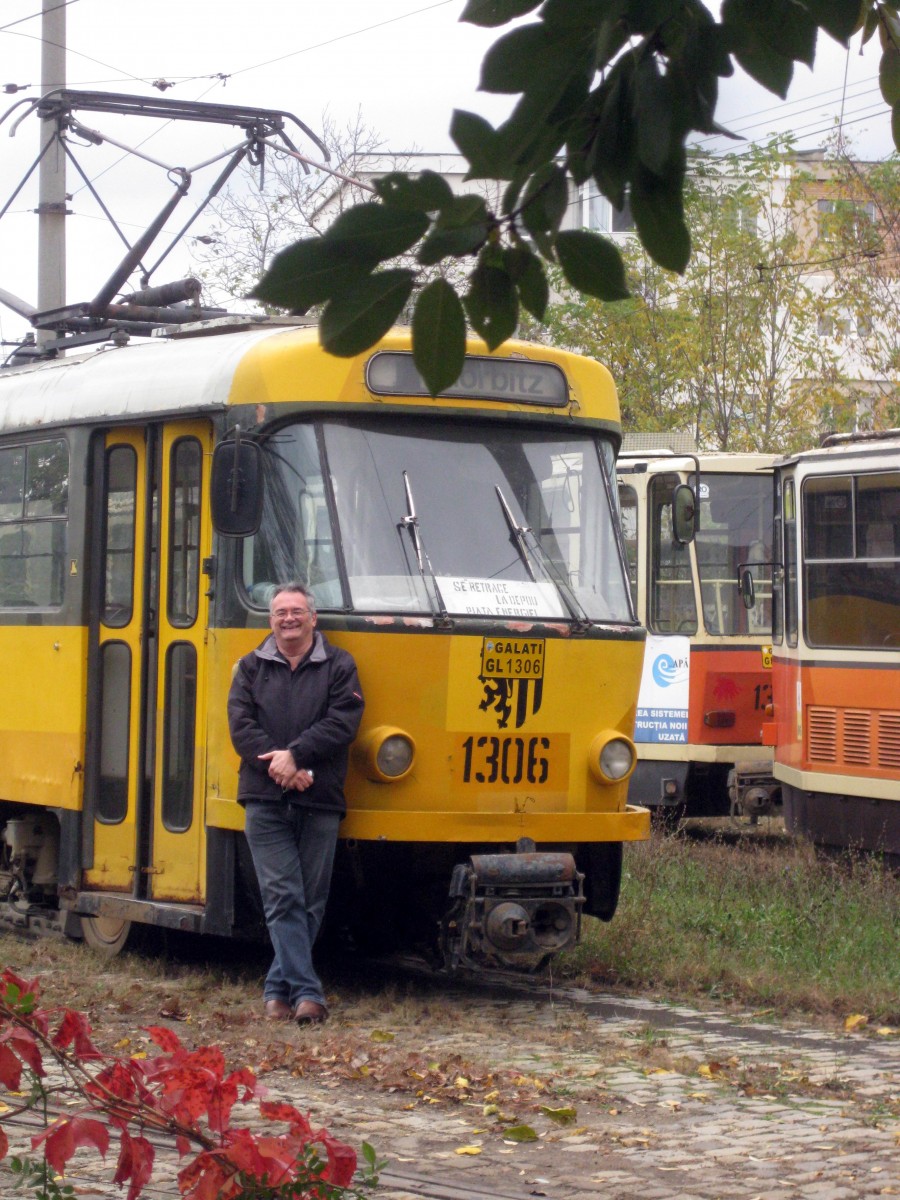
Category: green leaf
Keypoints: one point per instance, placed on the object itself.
(562, 1116)
(653, 109)
(546, 200)
(478, 143)
(444, 243)
(492, 304)
(420, 193)
(468, 209)
(307, 273)
(526, 271)
(889, 75)
(612, 150)
(370, 233)
(439, 335)
(516, 60)
(656, 206)
(782, 27)
(520, 1133)
(895, 124)
(490, 13)
(592, 264)
(840, 18)
(357, 317)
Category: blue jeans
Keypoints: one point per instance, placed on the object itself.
(293, 853)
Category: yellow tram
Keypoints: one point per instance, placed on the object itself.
(467, 550)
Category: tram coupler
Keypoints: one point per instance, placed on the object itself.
(512, 911)
(753, 790)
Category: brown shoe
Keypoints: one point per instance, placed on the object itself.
(310, 1012)
(278, 1010)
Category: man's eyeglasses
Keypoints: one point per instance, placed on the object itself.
(280, 613)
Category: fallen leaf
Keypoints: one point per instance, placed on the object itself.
(461, 1082)
(855, 1021)
(381, 1035)
(887, 1031)
(520, 1133)
(562, 1116)
(122, 1043)
(495, 1095)
(468, 1149)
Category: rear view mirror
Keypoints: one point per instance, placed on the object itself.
(684, 514)
(748, 592)
(236, 487)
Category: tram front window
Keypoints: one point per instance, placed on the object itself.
(477, 520)
(736, 514)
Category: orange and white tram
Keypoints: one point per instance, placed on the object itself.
(836, 721)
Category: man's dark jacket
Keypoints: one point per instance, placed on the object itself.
(313, 711)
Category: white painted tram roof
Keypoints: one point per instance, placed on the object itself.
(156, 378)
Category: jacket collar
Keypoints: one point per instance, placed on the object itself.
(269, 651)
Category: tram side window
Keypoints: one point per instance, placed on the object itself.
(629, 510)
(34, 494)
(673, 608)
(184, 531)
(115, 718)
(789, 512)
(735, 531)
(852, 553)
(178, 737)
(118, 575)
(295, 540)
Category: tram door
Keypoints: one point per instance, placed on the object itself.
(144, 785)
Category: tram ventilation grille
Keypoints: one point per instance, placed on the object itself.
(889, 740)
(822, 726)
(858, 737)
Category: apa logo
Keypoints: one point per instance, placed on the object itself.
(668, 670)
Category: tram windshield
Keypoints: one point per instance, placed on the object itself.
(736, 517)
(428, 516)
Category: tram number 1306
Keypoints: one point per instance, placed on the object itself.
(514, 760)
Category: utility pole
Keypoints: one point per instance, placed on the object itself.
(51, 292)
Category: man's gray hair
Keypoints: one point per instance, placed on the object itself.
(294, 585)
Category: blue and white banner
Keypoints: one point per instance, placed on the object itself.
(662, 714)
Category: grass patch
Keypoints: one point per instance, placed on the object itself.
(766, 926)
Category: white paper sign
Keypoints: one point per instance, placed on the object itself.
(662, 714)
(499, 597)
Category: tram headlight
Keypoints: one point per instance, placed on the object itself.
(385, 754)
(612, 757)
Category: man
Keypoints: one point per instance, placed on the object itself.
(294, 708)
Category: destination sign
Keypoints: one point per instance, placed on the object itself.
(516, 380)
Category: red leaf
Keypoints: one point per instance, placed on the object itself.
(164, 1038)
(284, 1112)
(135, 1163)
(341, 1159)
(4, 1144)
(76, 1029)
(10, 1069)
(208, 1058)
(22, 1041)
(64, 1137)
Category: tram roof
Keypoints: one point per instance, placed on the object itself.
(161, 377)
(178, 375)
(717, 461)
(847, 447)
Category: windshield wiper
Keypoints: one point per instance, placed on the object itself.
(519, 535)
(411, 522)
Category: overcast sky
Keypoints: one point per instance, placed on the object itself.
(405, 65)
